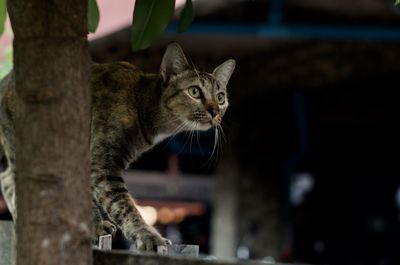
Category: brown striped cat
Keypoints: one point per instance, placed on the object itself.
(131, 112)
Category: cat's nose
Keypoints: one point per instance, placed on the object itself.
(213, 111)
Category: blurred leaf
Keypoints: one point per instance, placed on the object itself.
(186, 17)
(150, 19)
(93, 16)
(3, 15)
(397, 2)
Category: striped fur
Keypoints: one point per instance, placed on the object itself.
(130, 110)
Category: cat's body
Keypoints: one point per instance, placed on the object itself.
(131, 112)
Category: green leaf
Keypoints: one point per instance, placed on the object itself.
(150, 19)
(186, 17)
(397, 2)
(93, 16)
(3, 15)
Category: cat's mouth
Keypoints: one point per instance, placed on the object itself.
(204, 125)
(204, 122)
(200, 125)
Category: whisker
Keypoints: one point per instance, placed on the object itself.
(186, 136)
(176, 132)
(220, 144)
(198, 141)
(191, 138)
(214, 147)
(222, 132)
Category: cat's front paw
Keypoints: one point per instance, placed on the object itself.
(105, 227)
(148, 239)
(102, 228)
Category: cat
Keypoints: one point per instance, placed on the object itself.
(131, 112)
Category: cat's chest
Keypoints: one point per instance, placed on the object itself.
(159, 138)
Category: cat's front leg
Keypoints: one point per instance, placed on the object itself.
(113, 196)
(102, 226)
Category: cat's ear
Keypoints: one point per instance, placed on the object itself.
(223, 72)
(173, 62)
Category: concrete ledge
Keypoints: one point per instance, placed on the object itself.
(120, 257)
(129, 258)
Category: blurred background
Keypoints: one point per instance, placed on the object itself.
(307, 170)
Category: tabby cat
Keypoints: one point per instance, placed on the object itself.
(131, 112)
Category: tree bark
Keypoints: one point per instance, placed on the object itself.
(52, 123)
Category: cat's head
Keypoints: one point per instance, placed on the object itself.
(198, 100)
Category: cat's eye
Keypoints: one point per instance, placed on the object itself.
(221, 98)
(194, 91)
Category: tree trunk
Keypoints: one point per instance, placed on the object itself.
(52, 132)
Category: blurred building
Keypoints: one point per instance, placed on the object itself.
(308, 171)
